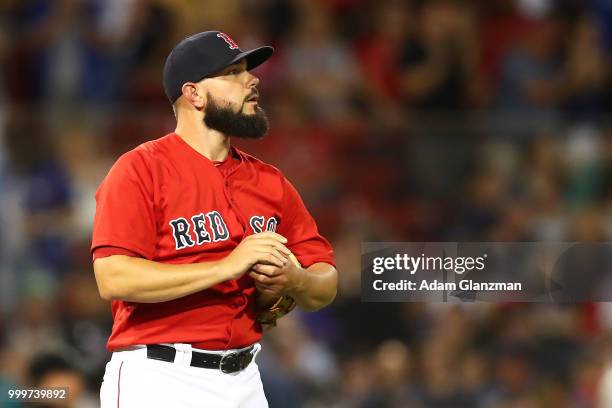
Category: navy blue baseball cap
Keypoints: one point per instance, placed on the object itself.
(203, 54)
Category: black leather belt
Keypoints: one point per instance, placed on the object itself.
(228, 363)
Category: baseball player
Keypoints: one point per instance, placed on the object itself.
(197, 244)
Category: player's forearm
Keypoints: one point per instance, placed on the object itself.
(317, 288)
(133, 279)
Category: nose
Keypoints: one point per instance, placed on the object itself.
(253, 81)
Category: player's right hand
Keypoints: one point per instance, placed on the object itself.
(264, 248)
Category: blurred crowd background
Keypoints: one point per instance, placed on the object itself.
(440, 120)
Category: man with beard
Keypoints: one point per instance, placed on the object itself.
(195, 243)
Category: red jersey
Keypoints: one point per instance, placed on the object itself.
(168, 203)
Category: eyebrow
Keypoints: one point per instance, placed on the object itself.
(233, 66)
(225, 70)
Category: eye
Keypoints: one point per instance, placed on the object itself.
(233, 71)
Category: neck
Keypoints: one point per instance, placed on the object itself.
(208, 142)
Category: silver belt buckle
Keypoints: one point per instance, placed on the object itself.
(239, 358)
(226, 359)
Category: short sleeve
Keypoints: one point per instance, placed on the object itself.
(125, 208)
(300, 229)
(106, 251)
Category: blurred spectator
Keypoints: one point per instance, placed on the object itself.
(321, 62)
(379, 51)
(53, 371)
(544, 182)
(217, 15)
(530, 78)
(44, 192)
(586, 82)
(438, 63)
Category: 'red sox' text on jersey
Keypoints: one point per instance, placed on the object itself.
(166, 202)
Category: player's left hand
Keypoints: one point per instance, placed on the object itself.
(274, 281)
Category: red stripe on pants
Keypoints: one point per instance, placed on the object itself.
(119, 384)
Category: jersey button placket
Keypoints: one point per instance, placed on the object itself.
(228, 196)
(226, 191)
(230, 201)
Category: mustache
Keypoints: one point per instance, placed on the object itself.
(253, 95)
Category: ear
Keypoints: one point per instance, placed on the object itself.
(191, 94)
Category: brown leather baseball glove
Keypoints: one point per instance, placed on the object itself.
(280, 308)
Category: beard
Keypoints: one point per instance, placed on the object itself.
(223, 119)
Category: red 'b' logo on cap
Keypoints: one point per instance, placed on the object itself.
(232, 44)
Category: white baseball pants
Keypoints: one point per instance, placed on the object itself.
(131, 380)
